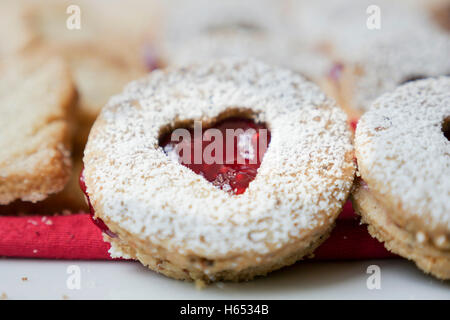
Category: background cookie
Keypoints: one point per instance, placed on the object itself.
(36, 97)
(370, 61)
(239, 29)
(388, 64)
(98, 73)
(16, 33)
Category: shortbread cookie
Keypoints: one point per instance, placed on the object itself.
(402, 147)
(388, 64)
(98, 73)
(69, 200)
(240, 221)
(36, 97)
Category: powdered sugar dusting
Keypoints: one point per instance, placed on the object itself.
(277, 49)
(234, 28)
(344, 24)
(301, 184)
(401, 146)
(424, 53)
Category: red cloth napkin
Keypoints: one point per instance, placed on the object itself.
(76, 237)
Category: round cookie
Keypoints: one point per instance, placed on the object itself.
(388, 64)
(175, 221)
(347, 27)
(370, 61)
(402, 147)
(187, 19)
(276, 49)
(239, 29)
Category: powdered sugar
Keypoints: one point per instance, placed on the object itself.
(304, 178)
(401, 146)
(424, 53)
(344, 24)
(255, 28)
(277, 49)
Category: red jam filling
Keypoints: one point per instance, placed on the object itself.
(353, 124)
(97, 221)
(234, 167)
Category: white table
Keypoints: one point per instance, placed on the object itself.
(46, 279)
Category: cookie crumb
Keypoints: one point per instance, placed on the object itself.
(24, 279)
(4, 296)
(65, 297)
(46, 221)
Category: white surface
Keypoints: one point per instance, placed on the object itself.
(128, 280)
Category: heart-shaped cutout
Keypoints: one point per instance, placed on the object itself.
(228, 154)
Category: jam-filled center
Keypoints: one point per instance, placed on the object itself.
(228, 154)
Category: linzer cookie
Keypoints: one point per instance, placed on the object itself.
(388, 64)
(375, 46)
(344, 28)
(255, 29)
(403, 152)
(36, 97)
(171, 191)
